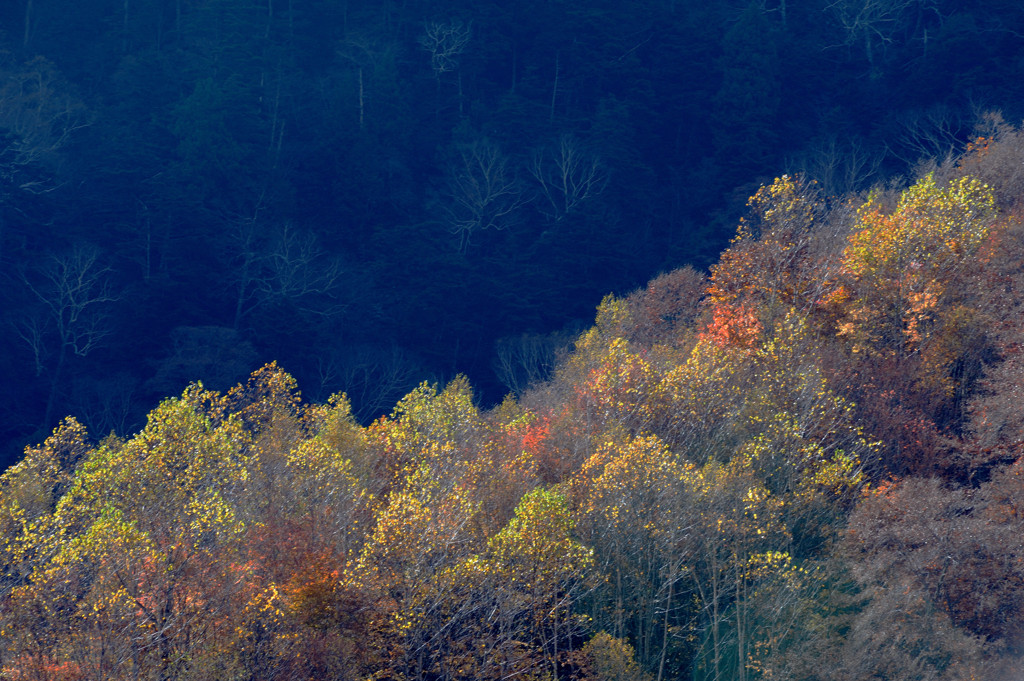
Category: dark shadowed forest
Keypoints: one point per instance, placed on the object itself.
(378, 193)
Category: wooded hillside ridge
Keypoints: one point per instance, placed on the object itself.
(805, 464)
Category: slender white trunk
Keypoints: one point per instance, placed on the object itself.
(124, 29)
(362, 101)
(554, 87)
(28, 23)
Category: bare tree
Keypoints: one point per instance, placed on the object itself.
(40, 115)
(873, 22)
(286, 265)
(933, 133)
(374, 378)
(445, 41)
(840, 166)
(523, 361)
(372, 60)
(298, 266)
(568, 175)
(74, 291)
(107, 404)
(484, 191)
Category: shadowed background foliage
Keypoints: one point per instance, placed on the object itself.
(377, 193)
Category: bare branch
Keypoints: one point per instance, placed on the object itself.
(930, 134)
(871, 21)
(568, 175)
(374, 378)
(298, 266)
(485, 192)
(286, 265)
(840, 166)
(523, 361)
(33, 332)
(874, 17)
(74, 288)
(445, 42)
(40, 115)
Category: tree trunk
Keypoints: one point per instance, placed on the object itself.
(124, 29)
(28, 23)
(554, 88)
(362, 101)
(664, 632)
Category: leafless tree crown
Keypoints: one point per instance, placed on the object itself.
(445, 41)
(568, 175)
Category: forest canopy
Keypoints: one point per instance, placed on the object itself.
(806, 464)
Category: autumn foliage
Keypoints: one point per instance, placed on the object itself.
(806, 465)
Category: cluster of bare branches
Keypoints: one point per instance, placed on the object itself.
(445, 41)
(73, 289)
(840, 165)
(568, 174)
(282, 265)
(73, 316)
(485, 189)
(524, 361)
(874, 21)
(934, 133)
(373, 377)
(40, 114)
